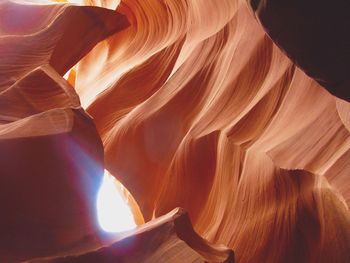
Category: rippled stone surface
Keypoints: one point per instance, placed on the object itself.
(193, 106)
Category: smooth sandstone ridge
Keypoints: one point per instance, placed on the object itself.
(222, 107)
(169, 238)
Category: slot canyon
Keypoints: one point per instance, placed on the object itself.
(174, 131)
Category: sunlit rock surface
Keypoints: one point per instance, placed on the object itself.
(197, 108)
(51, 156)
(169, 238)
(51, 165)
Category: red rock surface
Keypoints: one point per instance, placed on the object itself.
(197, 108)
(51, 160)
(51, 165)
(168, 238)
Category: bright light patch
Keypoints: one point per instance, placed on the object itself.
(66, 75)
(78, 2)
(113, 212)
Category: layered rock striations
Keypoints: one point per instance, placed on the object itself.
(196, 107)
(51, 160)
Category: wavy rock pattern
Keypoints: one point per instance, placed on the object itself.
(51, 164)
(219, 121)
(61, 36)
(198, 108)
(168, 238)
(51, 154)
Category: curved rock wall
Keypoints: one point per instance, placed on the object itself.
(198, 108)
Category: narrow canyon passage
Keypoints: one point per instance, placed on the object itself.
(174, 131)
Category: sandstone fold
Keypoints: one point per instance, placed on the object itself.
(215, 106)
(60, 35)
(169, 238)
(51, 166)
(51, 154)
(214, 117)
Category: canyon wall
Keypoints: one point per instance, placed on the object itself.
(222, 107)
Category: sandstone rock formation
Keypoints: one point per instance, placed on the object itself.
(195, 106)
(51, 163)
(168, 238)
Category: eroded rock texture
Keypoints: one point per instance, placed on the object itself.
(51, 163)
(168, 238)
(51, 156)
(197, 108)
